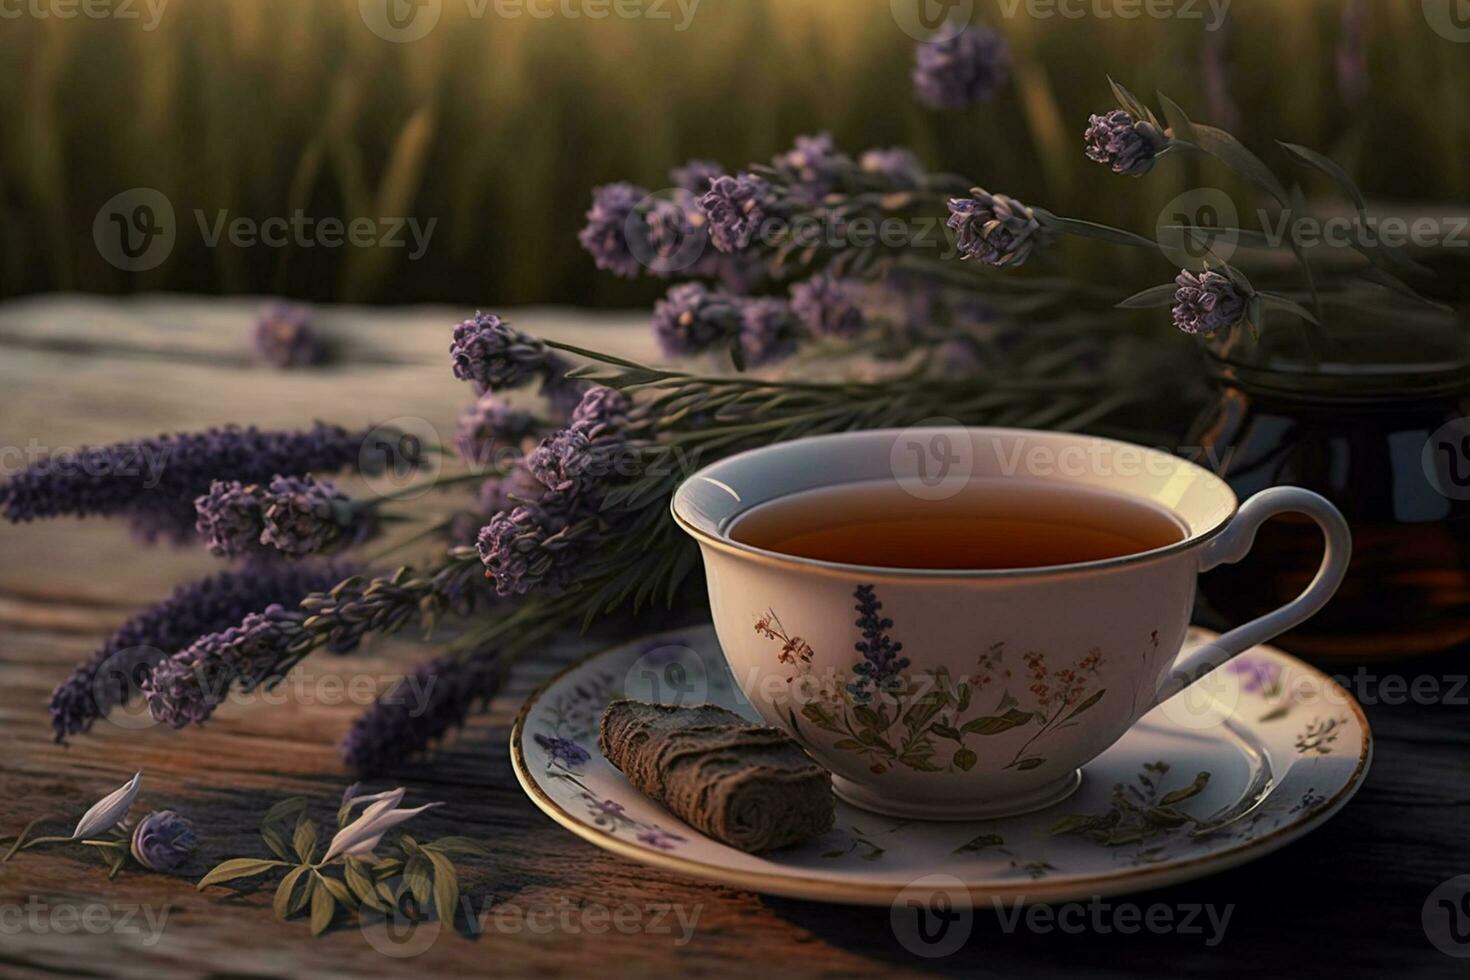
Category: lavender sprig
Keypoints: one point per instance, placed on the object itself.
(961, 70)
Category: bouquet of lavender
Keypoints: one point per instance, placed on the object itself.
(817, 293)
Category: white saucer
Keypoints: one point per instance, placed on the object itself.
(1284, 746)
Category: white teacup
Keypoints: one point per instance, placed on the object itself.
(970, 737)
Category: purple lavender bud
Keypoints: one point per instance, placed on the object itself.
(692, 319)
(231, 519)
(604, 406)
(163, 841)
(735, 207)
(490, 427)
(962, 70)
(563, 750)
(113, 674)
(1125, 144)
(161, 478)
(421, 708)
(896, 165)
(305, 516)
(285, 339)
(538, 547)
(881, 667)
(184, 689)
(828, 306)
(993, 228)
(605, 236)
(493, 356)
(768, 331)
(814, 165)
(696, 176)
(1206, 302)
(575, 461)
(674, 237)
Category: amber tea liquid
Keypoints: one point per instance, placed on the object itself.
(991, 524)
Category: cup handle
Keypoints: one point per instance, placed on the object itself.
(1232, 545)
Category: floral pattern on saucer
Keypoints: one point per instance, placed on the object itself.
(1170, 801)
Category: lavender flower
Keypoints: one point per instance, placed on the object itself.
(420, 709)
(491, 427)
(209, 605)
(603, 405)
(563, 750)
(768, 331)
(285, 339)
(828, 306)
(160, 478)
(305, 516)
(962, 70)
(1125, 144)
(814, 166)
(993, 228)
(230, 519)
(692, 319)
(735, 207)
(696, 176)
(1206, 302)
(492, 355)
(163, 841)
(605, 236)
(539, 547)
(896, 165)
(881, 667)
(184, 689)
(575, 460)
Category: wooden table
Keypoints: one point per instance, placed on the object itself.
(1346, 901)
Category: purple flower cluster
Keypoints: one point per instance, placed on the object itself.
(490, 428)
(768, 331)
(184, 689)
(295, 516)
(962, 70)
(1124, 144)
(420, 709)
(603, 406)
(735, 207)
(284, 337)
(1206, 302)
(897, 165)
(813, 167)
(574, 461)
(563, 750)
(692, 318)
(828, 306)
(163, 841)
(494, 356)
(156, 481)
(881, 667)
(605, 236)
(117, 669)
(993, 228)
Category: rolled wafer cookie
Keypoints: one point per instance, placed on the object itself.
(743, 784)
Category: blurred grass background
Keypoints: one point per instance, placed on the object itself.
(500, 127)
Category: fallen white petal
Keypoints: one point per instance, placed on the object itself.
(109, 811)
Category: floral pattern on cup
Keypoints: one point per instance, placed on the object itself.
(892, 717)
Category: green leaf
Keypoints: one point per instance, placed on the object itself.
(446, 886)
(1128, 100)
(420, 881)
(1030, 763)
(1086, 704)
(1091, 229)
(1152, 296)
(848, 745)
(340, 892)
(995, 724)
(737, 355)
(304, 840)
(237, 868)
(1177, 119)
(1231, 152)
(287, 807)
(323, 908)
(282, 904)
(818, 716)
(963, 701)
(1275, 302)
(964, 758)
(1201, 780)
(275, 842)
(1072, 824)
(20, 838)
(1328, 166)
(980, 843)
(868, 717)
(362, 884)
(460, 845)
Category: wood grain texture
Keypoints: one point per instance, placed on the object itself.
(1345, 902)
